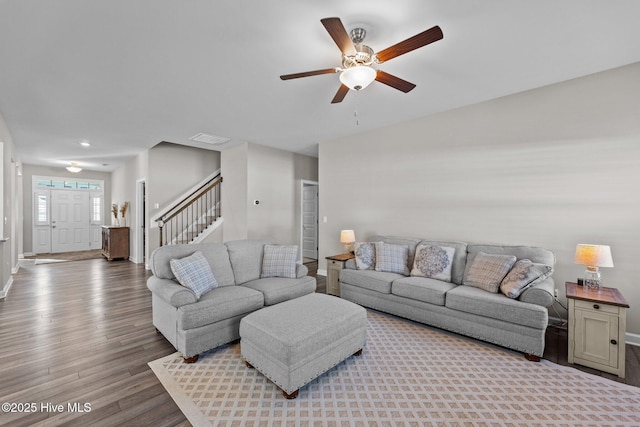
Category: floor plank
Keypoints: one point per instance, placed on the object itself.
(81, 332)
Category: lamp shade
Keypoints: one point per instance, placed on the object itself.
(347, 236)
(358, 77)
(594, 255)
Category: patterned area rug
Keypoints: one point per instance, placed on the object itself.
(408, 375)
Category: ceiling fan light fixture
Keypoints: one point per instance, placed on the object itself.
(74, 168)
(358, 77)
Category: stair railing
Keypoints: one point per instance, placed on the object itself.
(192, 214)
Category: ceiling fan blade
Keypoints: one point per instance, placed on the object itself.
(339, 35)
(342, 92)
(431, 35)
(309, 73)
(394, 82)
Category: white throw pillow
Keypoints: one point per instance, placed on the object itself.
(434, 262)
(279, 261)
(194, 272)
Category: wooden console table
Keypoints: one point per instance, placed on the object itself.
(115, 242)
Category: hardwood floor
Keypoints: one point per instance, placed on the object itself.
(80, 332)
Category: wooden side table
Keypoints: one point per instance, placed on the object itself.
(335, 263)
(597, 327)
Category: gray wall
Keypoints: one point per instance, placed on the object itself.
(254, 172)
(123, 183)
(551, 167)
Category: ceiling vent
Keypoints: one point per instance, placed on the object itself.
(209, 139)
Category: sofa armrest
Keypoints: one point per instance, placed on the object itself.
(351, 264)
(301, 271)
(540, 294)
(171, 292)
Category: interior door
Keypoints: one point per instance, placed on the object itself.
(70, 221)
(310, 221)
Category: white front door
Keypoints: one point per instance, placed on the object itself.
(310, 221)
(70, 221)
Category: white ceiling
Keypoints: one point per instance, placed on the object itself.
(126, 75)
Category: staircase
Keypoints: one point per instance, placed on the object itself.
(188, 219)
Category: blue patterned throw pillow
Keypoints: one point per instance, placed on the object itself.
(279, 261)
(434, 262)
(194, 272)
(365, 256)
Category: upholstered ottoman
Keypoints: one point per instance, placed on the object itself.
(296, 341)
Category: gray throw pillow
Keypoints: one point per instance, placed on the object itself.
(434, 262)
(488, 270)
(523, 275)
(392, 258)
(194, 272)
(279, 261)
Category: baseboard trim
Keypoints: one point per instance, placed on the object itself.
(5, 290)
(321, 272)
(633, 339)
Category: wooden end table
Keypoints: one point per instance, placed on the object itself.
(597, 327)
(335, 263)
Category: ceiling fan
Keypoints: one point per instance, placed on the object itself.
(357, 59)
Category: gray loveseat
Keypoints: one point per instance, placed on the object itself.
(196, 325)
(518, 324)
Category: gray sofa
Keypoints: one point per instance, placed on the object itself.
(518, 324)
(196, 325)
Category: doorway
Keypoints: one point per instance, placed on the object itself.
(141, 217)
(66, 215)
(309, 220)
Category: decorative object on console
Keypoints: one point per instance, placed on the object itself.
(593, 256)
(347, 237)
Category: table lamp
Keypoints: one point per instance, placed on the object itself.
(347, 237)
(593, 256)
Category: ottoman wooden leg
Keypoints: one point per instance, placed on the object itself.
(358, 353)
(192, 359)
(293, 395)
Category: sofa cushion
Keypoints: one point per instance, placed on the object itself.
(219, 304)
(433, 261)
(422, 289)
(193, 272)
(215, 253)
(392, 258)
(523, 274)
(365, 253)
(374, 280)
(459, 258)
(246, 259)
(496, 306)
(277, 290)
(279, 261)
(488, 270)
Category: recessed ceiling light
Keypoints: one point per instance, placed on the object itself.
(85, 143)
